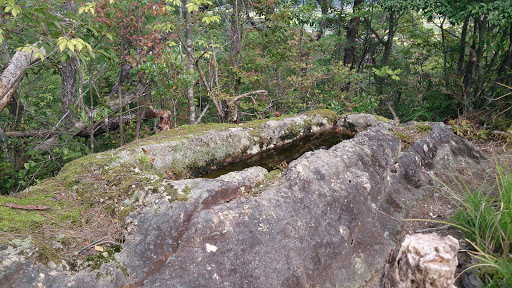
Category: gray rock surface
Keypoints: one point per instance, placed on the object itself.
(184, 154)
(361, 122)
(326, 222)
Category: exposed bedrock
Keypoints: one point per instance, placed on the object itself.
(326, 221)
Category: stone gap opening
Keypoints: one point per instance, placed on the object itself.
(279, 157)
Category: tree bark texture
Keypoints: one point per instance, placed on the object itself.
(236, 45)
(388, 47)
(68, 72)
(236, 36)
(462, 45)
(68, 97)
(124, 76)
(190, 64)
(352, 30)
(469, 77)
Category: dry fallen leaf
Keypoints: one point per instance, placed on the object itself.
(98, 248)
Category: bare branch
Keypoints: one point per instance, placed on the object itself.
(235, 100)
(14, 72)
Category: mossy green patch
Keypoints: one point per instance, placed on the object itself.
(45, 252)
(330, 115)
(124, 212)
(95, 261)
(272, 175)
(94, 163)
(180, 133)
(423, 128)
(290, 133)
(45, 194)
(15, 220)
(381, 118)
(184, 195)
(403, 137)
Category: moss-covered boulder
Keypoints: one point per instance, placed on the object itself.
(327, 220)
(91, 196)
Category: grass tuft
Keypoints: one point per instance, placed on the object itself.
(485, 218)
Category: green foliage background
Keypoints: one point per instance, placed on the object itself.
(292, 49)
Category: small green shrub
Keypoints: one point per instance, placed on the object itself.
(464, 128)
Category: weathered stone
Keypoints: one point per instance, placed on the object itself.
(329, 220)
(180, 156)
(424, 261)
(361, 122)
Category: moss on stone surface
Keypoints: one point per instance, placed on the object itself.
(181, 132)
(272, 175)
(94, 163)
(403, 137)
(325, 113)
(45, 252)
(423, 127)
(290, 133)
(411, 133)
(95, 261)
(178, 194)
(381, 118)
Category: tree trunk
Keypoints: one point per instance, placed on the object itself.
(388, 47)
(389, 42)
(352, 30)
(124, 76)
(324, 8)
(120, 92)
(68, 72)
(190, 64)
(68, 98)
(462, 45)
(443, 44)
(479, 77)
(469, 77)
(16, 109)
(236, 45)
(140, 110)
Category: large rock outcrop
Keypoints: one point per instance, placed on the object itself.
(327, 220)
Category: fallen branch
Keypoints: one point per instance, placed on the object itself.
(395, 118)
(433, 229)
(81, 126)
(101, 127)
(97, 243)
(233, 104)
(34, 133)
(25, 207)
(235, 100)
(14, 72)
